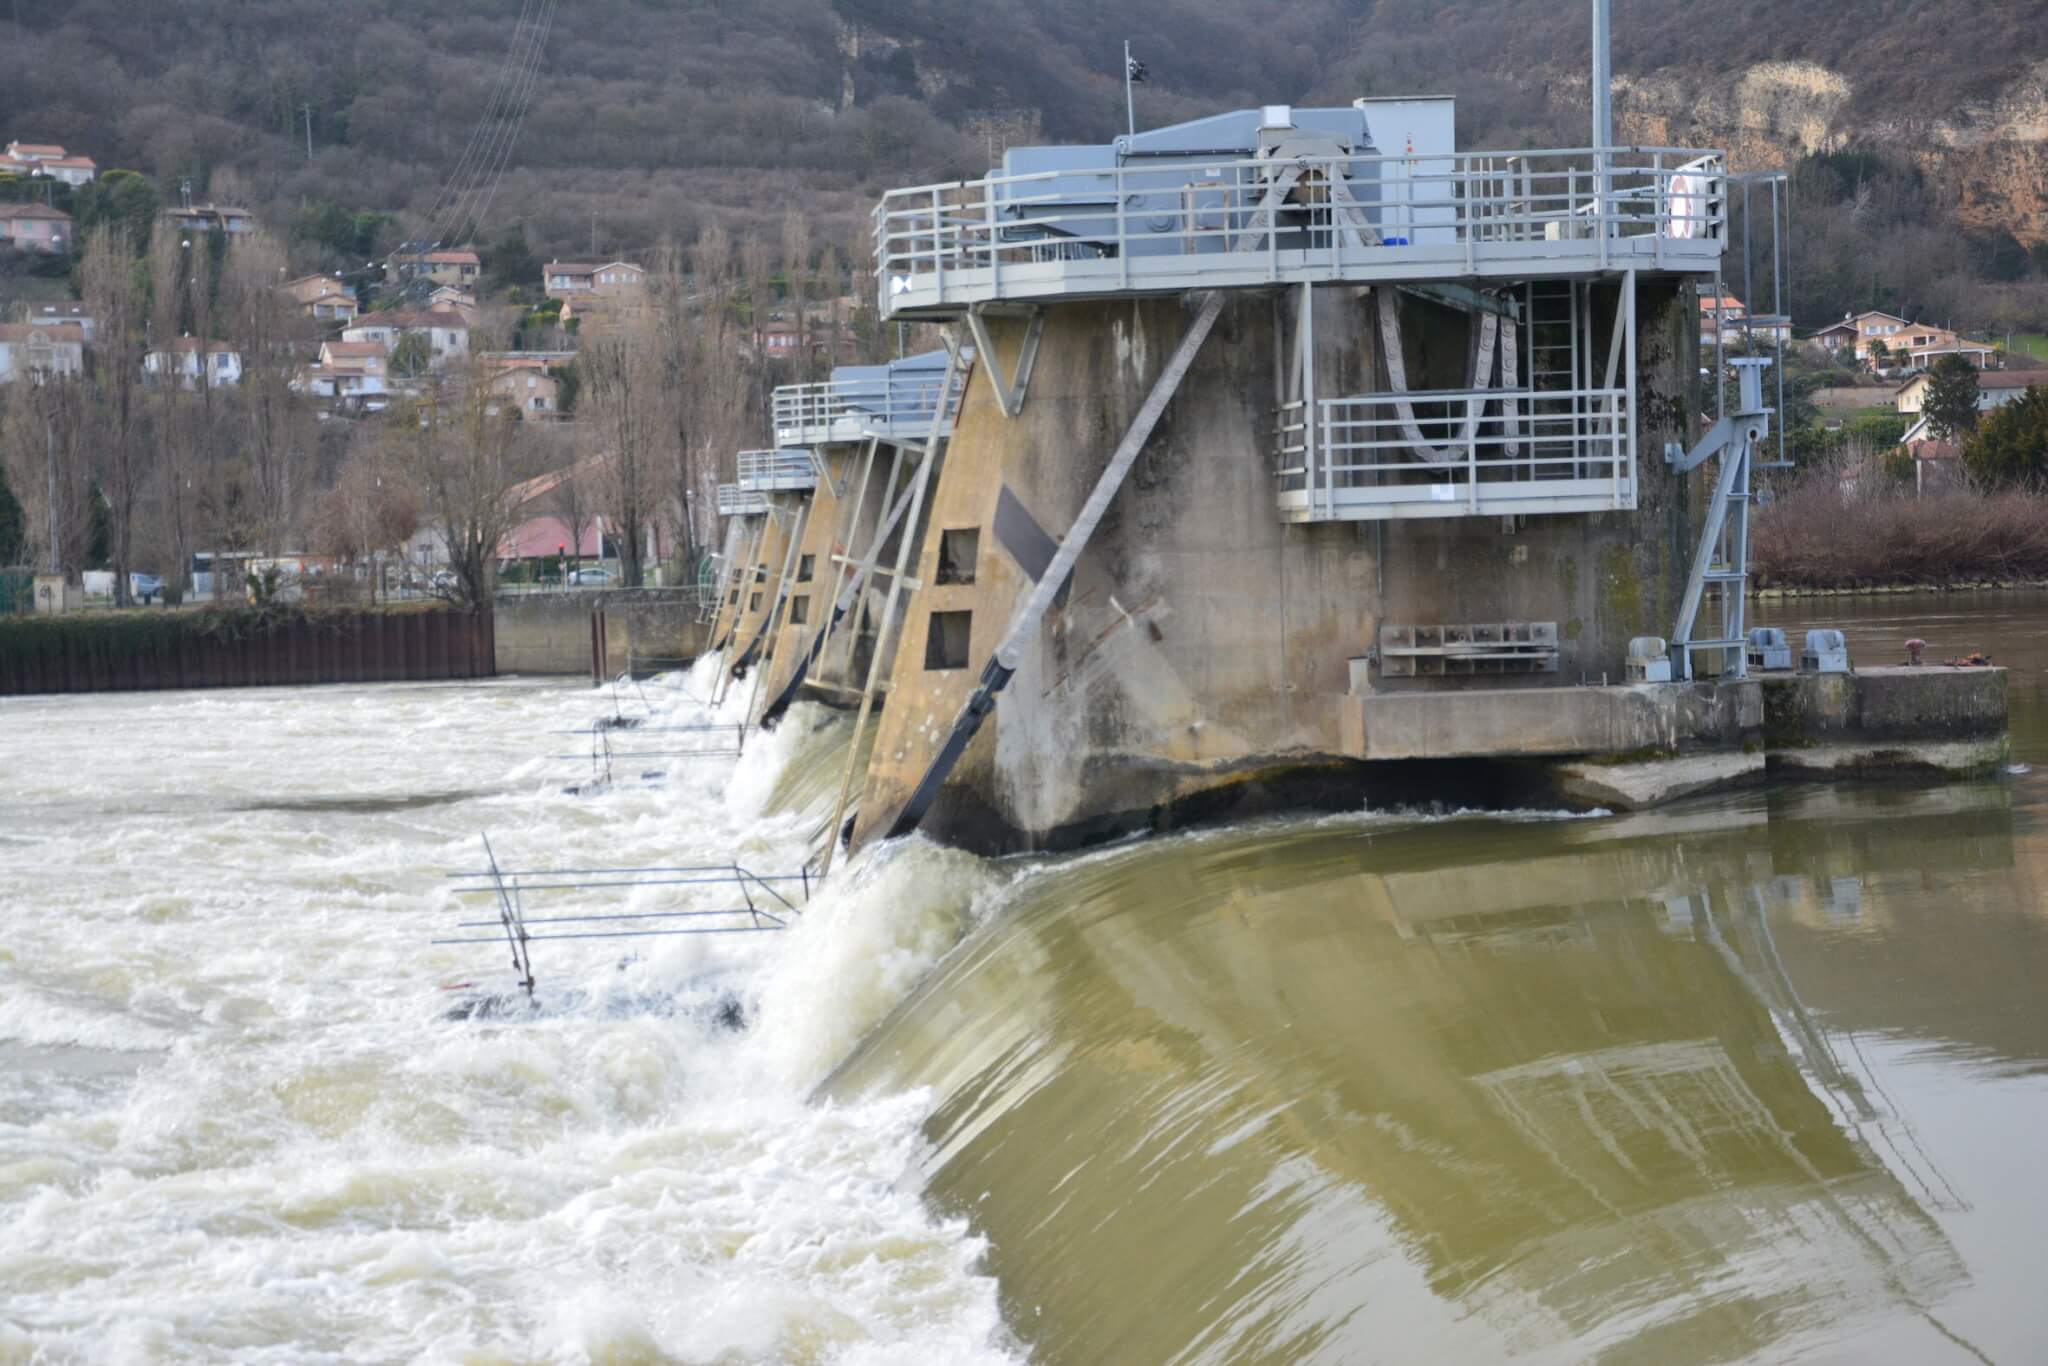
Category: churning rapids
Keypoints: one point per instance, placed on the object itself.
(1759, 1077)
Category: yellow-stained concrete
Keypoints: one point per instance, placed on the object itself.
(1202, 640)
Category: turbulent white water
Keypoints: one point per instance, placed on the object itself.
(236, 1125)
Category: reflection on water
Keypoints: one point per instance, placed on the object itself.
(1644, 1089)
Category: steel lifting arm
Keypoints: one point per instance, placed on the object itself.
(1002, 664)
(840, 607)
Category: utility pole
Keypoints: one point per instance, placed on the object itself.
(1130, 105)
(309, 130)
(50, 448)
(1603, 110)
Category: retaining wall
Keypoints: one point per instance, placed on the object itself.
(550, 633)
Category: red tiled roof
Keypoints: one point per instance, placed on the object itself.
(34, 211)
(37, 149)
(56, 332)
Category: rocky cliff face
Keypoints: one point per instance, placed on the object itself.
(1990, 158)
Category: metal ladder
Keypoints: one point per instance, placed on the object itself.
(1553, 364)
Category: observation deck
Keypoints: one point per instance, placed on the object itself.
(891, 403)
(1107, 222)
(734, 501)
(777, 471)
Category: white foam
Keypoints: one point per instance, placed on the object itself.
(314, 1161)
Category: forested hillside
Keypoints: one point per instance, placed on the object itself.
(651, 117)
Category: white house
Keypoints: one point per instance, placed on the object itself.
(66, 311)
(195, 364)
(28, 350)
(47, 159)
(446, 333)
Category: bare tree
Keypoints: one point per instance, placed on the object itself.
(574, 502)
(467, 453)
(371, 511)
(796, 277)
(44, 447)
(276, 426)
(122, 441)
(628, 426)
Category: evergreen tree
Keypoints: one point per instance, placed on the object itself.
(1951, 406)
(2010, 448)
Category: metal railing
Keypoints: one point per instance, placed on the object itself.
(853, 410)
(777, 471)
(1199, 223)
(1460, 453)
(734, 501)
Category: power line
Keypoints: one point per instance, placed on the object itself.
(499, 90)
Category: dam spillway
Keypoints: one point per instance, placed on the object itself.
(1264, 468)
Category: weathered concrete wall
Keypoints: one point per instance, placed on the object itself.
(1201, 639)
(549, 633)
(1887, 720)
(1507, 723)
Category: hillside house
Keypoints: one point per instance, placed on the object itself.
(29, 350)
(446, 333)
(532, 392)
(454, 299)
(206, 218)
(614, 279)
(194, 364)
(357, 372)
(63, 311)
(1995, 389)
(1735, 323)
(324, 298)
(1908, 345)
(461, 268)
(47, 159)
(35, 227)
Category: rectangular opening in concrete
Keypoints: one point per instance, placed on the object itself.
(957, 551)
(945, 645)
(734, 597)
(804, 564)
(760, 573)
(754, 602)
(800, 610)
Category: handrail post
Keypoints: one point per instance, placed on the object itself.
(938, 247)
(995, 260)
(1123, 254)
(1472, 452)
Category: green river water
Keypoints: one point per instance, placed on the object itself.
(1761, 1076)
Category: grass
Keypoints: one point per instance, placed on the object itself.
(2033, 345)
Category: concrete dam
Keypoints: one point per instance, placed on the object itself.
(1293, 457)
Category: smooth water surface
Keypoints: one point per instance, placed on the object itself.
(1757, 1077)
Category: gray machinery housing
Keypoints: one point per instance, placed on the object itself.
(1075, 207)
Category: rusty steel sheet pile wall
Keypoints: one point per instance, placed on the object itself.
(106, 653)
(1201, 652)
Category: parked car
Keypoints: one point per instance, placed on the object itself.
(592, 578)
(145, 588)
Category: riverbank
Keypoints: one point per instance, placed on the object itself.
(1827, 534)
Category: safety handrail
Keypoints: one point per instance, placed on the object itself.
(951, 242)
